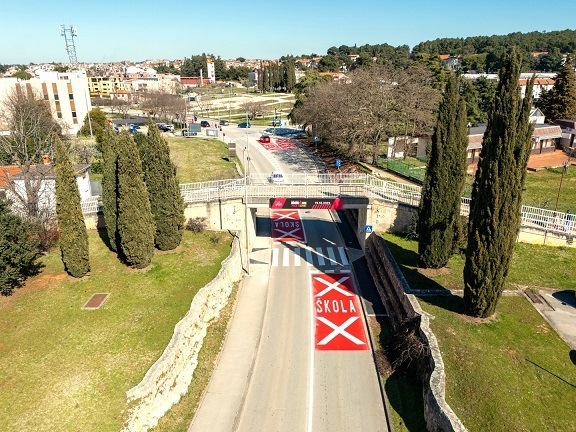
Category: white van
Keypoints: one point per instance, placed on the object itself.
(277, 177)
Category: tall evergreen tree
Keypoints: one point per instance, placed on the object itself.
(497, 191)
(19, 250)
(440, 204)
(71, 225)
(560, 101)
(109, 148)
(135, 221)
(166, 199)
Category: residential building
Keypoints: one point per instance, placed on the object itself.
(44, 180)
(545, 139)
(105, 85)
(66, 94)
(568, 140)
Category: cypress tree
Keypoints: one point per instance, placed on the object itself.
(166, 200)
(71, 225)
(135, 221)
(497, 191)
(440, 204)
(560, 101)
(109, 148)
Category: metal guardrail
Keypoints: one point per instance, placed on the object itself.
(339, 185)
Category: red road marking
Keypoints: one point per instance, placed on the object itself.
(287, 226)
(278, 144)
(338, 315)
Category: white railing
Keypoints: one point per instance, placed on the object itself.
(339, 185)
(91, 205)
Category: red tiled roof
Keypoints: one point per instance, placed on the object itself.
(539, 81)
(7, 171)
(547, 131)
(444, 56)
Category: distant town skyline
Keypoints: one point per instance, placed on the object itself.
(30, 31)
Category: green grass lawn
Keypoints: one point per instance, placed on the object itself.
(532, 265)
(200, 159)
(63, 368)
(542, 189)
(508, 373)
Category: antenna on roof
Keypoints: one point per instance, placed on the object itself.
(69, 34)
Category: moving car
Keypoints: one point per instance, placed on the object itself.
(244, 125)
(224, 122)
(205, 123)
(265, 139)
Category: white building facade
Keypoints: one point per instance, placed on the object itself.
(66, 94)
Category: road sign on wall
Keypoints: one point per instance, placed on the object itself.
(306, 203)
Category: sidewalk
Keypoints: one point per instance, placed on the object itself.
(559, 309)
(222, 402)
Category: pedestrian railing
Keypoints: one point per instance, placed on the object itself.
(258, 186)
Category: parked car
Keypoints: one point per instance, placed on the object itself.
(265, 139)
(277, 177)
(244, 125)
(224, 122)
(165, 127)
(205, 123)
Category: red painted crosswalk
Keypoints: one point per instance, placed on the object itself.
(287, 226)
(339, 324)
(278, 144)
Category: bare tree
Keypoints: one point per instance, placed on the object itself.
(377, 103)
(28, 145)
(164, 105)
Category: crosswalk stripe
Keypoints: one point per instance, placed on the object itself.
(343, 258)
(308, 256)
(286, 257)
(331, 256)
(320, 256)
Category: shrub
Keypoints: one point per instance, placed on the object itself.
(196, 225)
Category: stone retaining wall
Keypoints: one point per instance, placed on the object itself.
(393, 289)
(169, 378)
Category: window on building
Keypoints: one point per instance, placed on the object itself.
(74, 114)
(45, 96)
(70, 96)
(59, 114)
(56, 97)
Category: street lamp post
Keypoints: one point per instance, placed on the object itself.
(247, 212)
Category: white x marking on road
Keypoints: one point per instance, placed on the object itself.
(333, 286)
(341, 329)
(286, 216)
(286, 234)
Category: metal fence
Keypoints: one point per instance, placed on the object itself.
(339, 185)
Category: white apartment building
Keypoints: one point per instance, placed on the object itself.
(67, 95)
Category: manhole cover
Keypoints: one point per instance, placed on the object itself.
(96, 301)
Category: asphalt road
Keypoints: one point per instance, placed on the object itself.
(273, 373)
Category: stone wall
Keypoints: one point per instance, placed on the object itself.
(400, 305)
(169, 378)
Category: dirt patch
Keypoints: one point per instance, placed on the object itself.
(329, 157)
(474, 320)
(431, 272)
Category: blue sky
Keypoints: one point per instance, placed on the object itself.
(115, 30)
